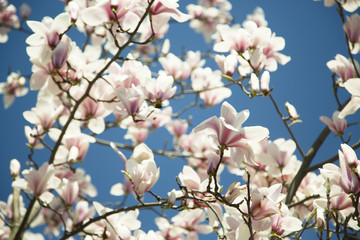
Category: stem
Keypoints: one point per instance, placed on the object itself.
(287, 126)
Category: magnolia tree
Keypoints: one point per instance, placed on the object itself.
(124, 76)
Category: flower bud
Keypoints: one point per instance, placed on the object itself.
(14, 168)
(59, 55)
(264, 82)
(291, 111)
(73, 11)
(25, 11)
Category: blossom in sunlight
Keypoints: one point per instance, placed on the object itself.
(44, 114)
(8, 20)
(336, 124)
(159, 90)
(190, 222)
(175, 67)
(142, 169)
(48, 30)
(343, 67)
(13, 87)
(265, 202)
(352, 30)
(353, 87)
(38, 182)
(348, 5)
(170, 8)
(227, 130)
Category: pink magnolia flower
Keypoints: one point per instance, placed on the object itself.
(258, 17)
(336, 124)
(349, 180)
(227, 130)
(353, 87)
(48, 30)
(238, 40)
(173, 66)
(227, 64)
(352, 30)
(13, 87)
(343, 67)
(131, 99)
(38, 181)
(189, 222)
(264, 204)
(33, 136)
(177, 127)
(8, 20)
(44, 114)
(68, 191)
(82, 212)
(102, 13)
(170, 8)
(159, 90)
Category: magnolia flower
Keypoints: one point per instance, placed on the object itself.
(227, 64)
(343, 67)
(160, 89)
(14, 87)
(351, 28)
(353, 87)
(44, 114)
(173, 66)
(48, 30)
(227, 130)
(336, 124)
(38, 182)
(170, 8)
(238, 40)
(141, 169)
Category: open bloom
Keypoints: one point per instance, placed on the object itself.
(227, 131)
(353, 87)
(142, 170)
(336, 124)
(38, 181)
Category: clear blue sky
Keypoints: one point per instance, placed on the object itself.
(313, 35)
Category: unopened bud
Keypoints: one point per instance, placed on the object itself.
(25, 11)
(264, 82)
(73, 10)
(14, 168)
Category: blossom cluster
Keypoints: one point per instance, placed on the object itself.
(125, 77)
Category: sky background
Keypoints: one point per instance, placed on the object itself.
(313, 35)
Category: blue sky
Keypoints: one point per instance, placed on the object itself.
(313, 35)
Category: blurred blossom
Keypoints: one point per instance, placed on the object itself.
(25, 11)
(13, 87)
(336, 124)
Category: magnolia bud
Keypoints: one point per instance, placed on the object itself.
(73, 10)
(254, 82)
(14, 168)
(264, 82)
(291, 111)
(25, 11)
(59, 55)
